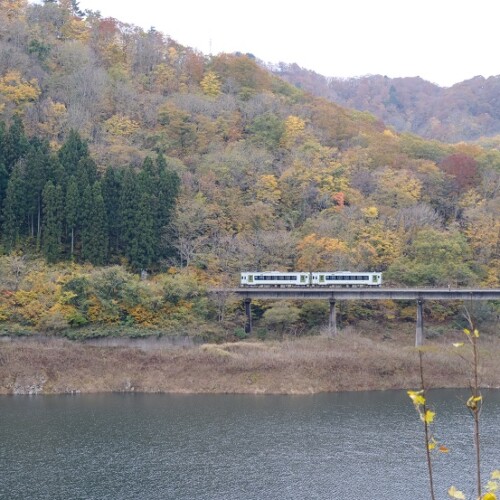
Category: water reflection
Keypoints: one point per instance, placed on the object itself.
(328, 446)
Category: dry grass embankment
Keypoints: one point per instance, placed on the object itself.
(349, 362)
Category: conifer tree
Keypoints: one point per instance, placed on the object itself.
(4, 179)
(168, 190)
(129, 202)
(71, 152)
(15, 144)
(72, 205)
(112, 184)
(14, 208)
(37, 171)
(52, 222)
(97, 246)
(144, 248)
(85, 220)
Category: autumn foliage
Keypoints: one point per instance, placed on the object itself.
(123, 149)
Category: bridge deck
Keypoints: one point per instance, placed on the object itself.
(362, 293)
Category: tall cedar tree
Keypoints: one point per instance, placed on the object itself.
(72, 208)
(14, 207)
(94, 226)
(129, 202)
(71, 152)
(37, 173)
(15, 144)
(52, 222)
(112, 184)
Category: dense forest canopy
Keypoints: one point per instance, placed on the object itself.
(119, 146)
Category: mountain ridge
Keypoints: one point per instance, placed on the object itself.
(466, 111)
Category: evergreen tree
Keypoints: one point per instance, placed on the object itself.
(72, 206)
(144, 249)
(100, 229)
(4, 180)
(52, 222)
(86, 222)
(15, 144)
(86, 172)
(71, 152)
(95, 233)
(112, 185)
(3, 132)
(168, 190)
(14, 207)
(37, 171)
(129, 203)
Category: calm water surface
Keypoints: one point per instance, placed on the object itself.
(328, 446)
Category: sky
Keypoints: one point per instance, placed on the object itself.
(442, 41)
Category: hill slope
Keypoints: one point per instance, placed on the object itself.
(466, 111)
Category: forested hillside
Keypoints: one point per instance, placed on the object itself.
(466, 111)
(122, 148)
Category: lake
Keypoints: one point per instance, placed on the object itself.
(366, 445)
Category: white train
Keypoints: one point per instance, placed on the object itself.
(323, 279)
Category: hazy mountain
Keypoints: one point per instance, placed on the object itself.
(465, 111)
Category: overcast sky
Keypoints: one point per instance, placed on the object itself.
(443, 41)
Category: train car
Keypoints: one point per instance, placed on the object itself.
(346, 278)
(275, 278)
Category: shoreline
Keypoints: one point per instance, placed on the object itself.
(351, 361)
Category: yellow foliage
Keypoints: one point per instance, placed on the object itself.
(417, 397)
(492, 486)
(210, 84)
(14, 9)
(75, 29)
(472, 403)
(98, 314)
(398, 188)
(4, 313)
(454, 493)
(119, 125)
(17, 89)
(165, 78)
(370, 212)
(267, 189)
(377, 247)
(294, 129)
(428, 418)
(173, 55)
(320, 252)
(489, 496)
(54, 116)
(143, 316)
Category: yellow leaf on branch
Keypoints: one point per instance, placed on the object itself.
(417, 397)
(454, 493)
(489, 496)
(428, 418)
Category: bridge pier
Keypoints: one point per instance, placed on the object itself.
(332, 318)
(248, 312)
(419, 337)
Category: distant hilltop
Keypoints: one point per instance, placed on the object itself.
(463, 112)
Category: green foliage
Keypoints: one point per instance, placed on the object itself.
(314, 313)
(282, 316)
(434, 258)
(240, 333)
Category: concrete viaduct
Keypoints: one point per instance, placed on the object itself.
(334, 294)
